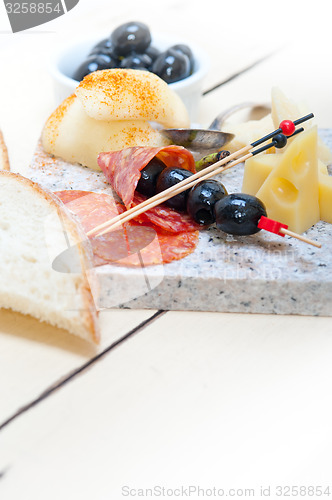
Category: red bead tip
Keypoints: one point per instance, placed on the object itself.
(287, 127)
(271, 225)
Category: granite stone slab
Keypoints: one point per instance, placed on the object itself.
(262, 273)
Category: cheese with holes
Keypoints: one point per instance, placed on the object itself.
(258, 168)
(290, 192)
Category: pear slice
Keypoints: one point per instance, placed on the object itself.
(129, 94)
(75, 137)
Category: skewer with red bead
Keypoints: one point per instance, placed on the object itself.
(279, 140)
(286, 128)
(243, 214)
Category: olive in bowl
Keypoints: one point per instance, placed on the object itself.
(65, 63)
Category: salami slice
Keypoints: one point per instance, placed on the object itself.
(134, 244)
(122, 169)
(91, 208)
(165, 218)
(163, 249)
(94, 209)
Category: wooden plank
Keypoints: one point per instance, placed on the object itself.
(299, 70)
(199, 394)
(35, 356)
(227, 393)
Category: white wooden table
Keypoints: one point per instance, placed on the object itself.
(169, 399)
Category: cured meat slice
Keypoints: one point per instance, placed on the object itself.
(94, 209)
(134, 244)
(122, 169)
(163, 249)
(165, 218)
(176, 246)
(91, 208)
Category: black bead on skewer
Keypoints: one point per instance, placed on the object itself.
(280, 130)
(279, 141)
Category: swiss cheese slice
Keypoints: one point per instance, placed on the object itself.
(325, 197)
(247, 132)
(256, 171)
(290, 192)
(283, 108)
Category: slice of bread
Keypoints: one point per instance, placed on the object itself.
(4, 160)
(35, 228)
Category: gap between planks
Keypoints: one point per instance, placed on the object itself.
(54, 387)
(239, 73)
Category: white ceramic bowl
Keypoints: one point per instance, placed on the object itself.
(65, 62)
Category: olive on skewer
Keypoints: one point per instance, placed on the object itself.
(149, 176)
(249, 219)
(202, 199)
(168, 178)
(239, 214)
(207, 202)
(210, 159)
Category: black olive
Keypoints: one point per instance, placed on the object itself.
(149, 176)
(134, 38)
(93, 63)
(99, 51)
(136, 61)
(169, 177)
(171, 66)
(202, 198)
(103, 47)
(103, 44)
(131, 37)
(152, 52)
(184, 49)
(239, 213)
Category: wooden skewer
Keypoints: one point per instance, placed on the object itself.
(214, 169)
(162, 197)
(178, 188)
(300, 237)
(207, 173)
(159, 198)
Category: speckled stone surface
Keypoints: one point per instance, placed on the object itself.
(262, 273)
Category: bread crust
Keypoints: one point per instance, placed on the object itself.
(4, 159)
(73, 227)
